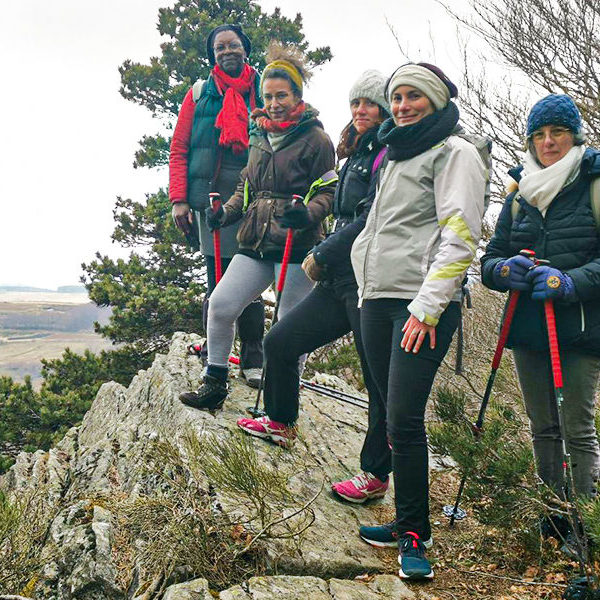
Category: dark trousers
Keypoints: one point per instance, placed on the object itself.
(250, 324)
(404, 381)
(326, 314)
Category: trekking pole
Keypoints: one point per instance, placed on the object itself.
(215, 203)
(453, 511)
(567, 466)
(254, 410)
(319, 386)
(335, 394)
(323, 390)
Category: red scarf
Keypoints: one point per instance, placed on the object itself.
(262, 120)
(232, 120)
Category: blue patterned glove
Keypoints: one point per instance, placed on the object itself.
(511, 274)
(551, 284)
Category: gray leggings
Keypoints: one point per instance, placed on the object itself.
(580, 381)
(246, 279)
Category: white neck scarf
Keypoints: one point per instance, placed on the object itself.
(539, 185)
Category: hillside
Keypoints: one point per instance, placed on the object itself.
(41, 324)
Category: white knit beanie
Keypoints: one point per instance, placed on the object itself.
(370, 85)
(424, 80)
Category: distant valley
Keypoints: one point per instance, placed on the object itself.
(36, 324)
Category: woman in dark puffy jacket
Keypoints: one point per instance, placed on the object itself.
(290, 154)
(331, 309)
(554, 217)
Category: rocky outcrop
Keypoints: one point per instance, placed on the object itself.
(102, 457)
(297, 588)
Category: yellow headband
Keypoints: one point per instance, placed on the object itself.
(286, 66)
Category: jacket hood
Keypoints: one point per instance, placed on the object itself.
(482, 143)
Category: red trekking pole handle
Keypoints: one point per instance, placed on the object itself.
(508, 317)
(287, 250)
(553, 344)
(552, 337)
(215, 203)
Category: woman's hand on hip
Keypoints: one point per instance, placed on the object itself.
(414, 334)
(313, 270)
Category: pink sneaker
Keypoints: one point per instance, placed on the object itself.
(264, 428)
(361, 488)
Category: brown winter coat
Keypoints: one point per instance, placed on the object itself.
(304, 156)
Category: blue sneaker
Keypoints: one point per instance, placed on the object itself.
(384, 536)
(412, 560)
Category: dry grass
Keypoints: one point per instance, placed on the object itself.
(178, 530)
(475, 562)
(24, 526)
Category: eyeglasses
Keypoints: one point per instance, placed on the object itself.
(232, 46)
(556, 133)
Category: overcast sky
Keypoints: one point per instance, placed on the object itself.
(69, 137)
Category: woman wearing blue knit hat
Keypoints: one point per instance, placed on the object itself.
(551, 211)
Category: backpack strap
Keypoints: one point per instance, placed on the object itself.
(198, 89)
(246, 195)
(326, 179)
(465, 294)
(515, 206)
(378, 160)
(595, 200)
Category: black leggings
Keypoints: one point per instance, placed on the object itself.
(326, 314)
(404, 381)
(250, 324)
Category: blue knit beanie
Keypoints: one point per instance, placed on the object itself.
(555, 109)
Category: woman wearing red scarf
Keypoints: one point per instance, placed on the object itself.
(289, 154)
(208, 151)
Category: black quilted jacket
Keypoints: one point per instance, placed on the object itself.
(568, 237)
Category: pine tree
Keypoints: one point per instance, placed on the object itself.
(158, 290)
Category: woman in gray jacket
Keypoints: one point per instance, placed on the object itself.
(419, 239)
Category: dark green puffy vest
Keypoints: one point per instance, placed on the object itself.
(204, 143)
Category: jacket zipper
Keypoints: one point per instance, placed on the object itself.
(376, 220)
(582, 317)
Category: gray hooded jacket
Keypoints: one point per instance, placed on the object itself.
(424, 226)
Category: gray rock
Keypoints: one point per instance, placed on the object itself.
(234, 593)
(82, 566)
(382, 586)
(190, 590)
(102, 457)
(290, 588)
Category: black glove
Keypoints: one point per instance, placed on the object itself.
(295, 216)
(213, 219)
(192, 235)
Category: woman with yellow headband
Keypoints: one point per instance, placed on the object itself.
(290, 154)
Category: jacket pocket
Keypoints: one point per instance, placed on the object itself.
(247, 232)
(276, 233)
